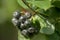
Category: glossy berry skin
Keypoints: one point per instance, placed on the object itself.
(15, 21)
(22, 26)
(27, 22)
(24, 32)
(28, 15)
(22, 19)
(31, 30)
(16, 14)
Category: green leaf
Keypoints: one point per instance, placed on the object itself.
(46, 26)
(20, 2)
(57, 25)
(39, 36)
(56, 3)
(44, 4)
(54, 36)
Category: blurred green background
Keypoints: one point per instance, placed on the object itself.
(7, 30)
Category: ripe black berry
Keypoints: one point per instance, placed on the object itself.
(23, 22)
(15, 21)
(22, 19)
(25, 33)
(31, 30)
(16, 14)
(27, 22)
(22, 26)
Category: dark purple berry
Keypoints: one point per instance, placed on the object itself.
(15, 21)
(27, 22)
(22, 19)
(31, 30)
(22, 26)
(25, 32)
(17, 14)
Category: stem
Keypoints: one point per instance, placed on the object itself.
(33, 10)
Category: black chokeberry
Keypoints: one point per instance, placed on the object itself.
(16, 14)
(27, 22)
(23, 22)
(31, 30)
(15, 21)
(22, 19)
(25, 32)
(22, 26)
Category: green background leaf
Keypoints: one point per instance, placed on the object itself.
(21, 3)
(44, 4)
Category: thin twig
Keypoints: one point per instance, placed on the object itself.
(33, 10)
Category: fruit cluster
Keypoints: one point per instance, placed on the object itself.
(23, 22)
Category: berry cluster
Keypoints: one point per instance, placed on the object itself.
(21, 20)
